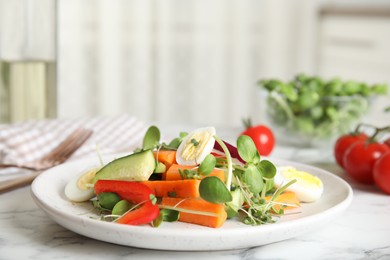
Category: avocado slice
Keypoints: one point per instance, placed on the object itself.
(160, 168)
(134, 167)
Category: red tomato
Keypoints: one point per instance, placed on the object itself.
(359, 160)
(343, 143)
(381, 172)
(263, 138)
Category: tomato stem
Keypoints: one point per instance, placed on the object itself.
(357, 129)
(247, 122)
(378, 131)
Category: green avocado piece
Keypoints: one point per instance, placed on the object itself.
(160, 168)
(134, 167)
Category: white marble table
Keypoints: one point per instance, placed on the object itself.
(362, 232)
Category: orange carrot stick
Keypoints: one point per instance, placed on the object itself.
(218, 173)
(167, 157)
(288, 198)
(173, 172)
(197, 211)
(180, 189)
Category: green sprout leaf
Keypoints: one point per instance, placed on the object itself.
(232, 207)
(175, 143)
(267, 169)
(247, 149)
(170, 215)
(253, 179)
(213, 190)
(153, 199)
(269, 185)
(121, 207)
(157, 222)
(207, 166)
(189, 174)
(151, 138)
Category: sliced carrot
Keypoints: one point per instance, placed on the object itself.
(288, 198)
(167, 157)
(198, 211)
(173, 172)
(180, 189)
(218, 173)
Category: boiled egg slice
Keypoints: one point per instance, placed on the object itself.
(308, 188)
(196, 146)
(80, 188)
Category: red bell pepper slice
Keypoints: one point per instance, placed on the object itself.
(136, 193)
(143, 215)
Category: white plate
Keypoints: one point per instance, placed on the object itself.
(48, 193)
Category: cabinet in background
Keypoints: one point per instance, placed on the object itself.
(357, 46)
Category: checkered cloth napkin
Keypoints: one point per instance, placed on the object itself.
(29, 141)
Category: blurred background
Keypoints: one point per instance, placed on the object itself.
(181, 61)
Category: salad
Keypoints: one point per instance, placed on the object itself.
(196, 178)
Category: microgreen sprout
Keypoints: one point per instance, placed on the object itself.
(179, 209)
(153, 199)
(189, 174)
(151, 139)
(229, 161)
(174, 144)
(194, 142)
(166, 215)
(207, 165)
(278, 192)
(204, 169)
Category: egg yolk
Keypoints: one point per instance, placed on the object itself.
(86, 179)
(195, 145)
(303, 178)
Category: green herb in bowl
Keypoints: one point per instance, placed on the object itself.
(310, 111)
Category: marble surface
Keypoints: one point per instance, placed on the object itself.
(362, 232)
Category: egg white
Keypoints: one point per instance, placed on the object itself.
(308, 188)
(77, 193)
(206, 134)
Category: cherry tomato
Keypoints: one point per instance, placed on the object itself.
(343, 143)
(381, 172)
(359, 160)
(263, 138)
